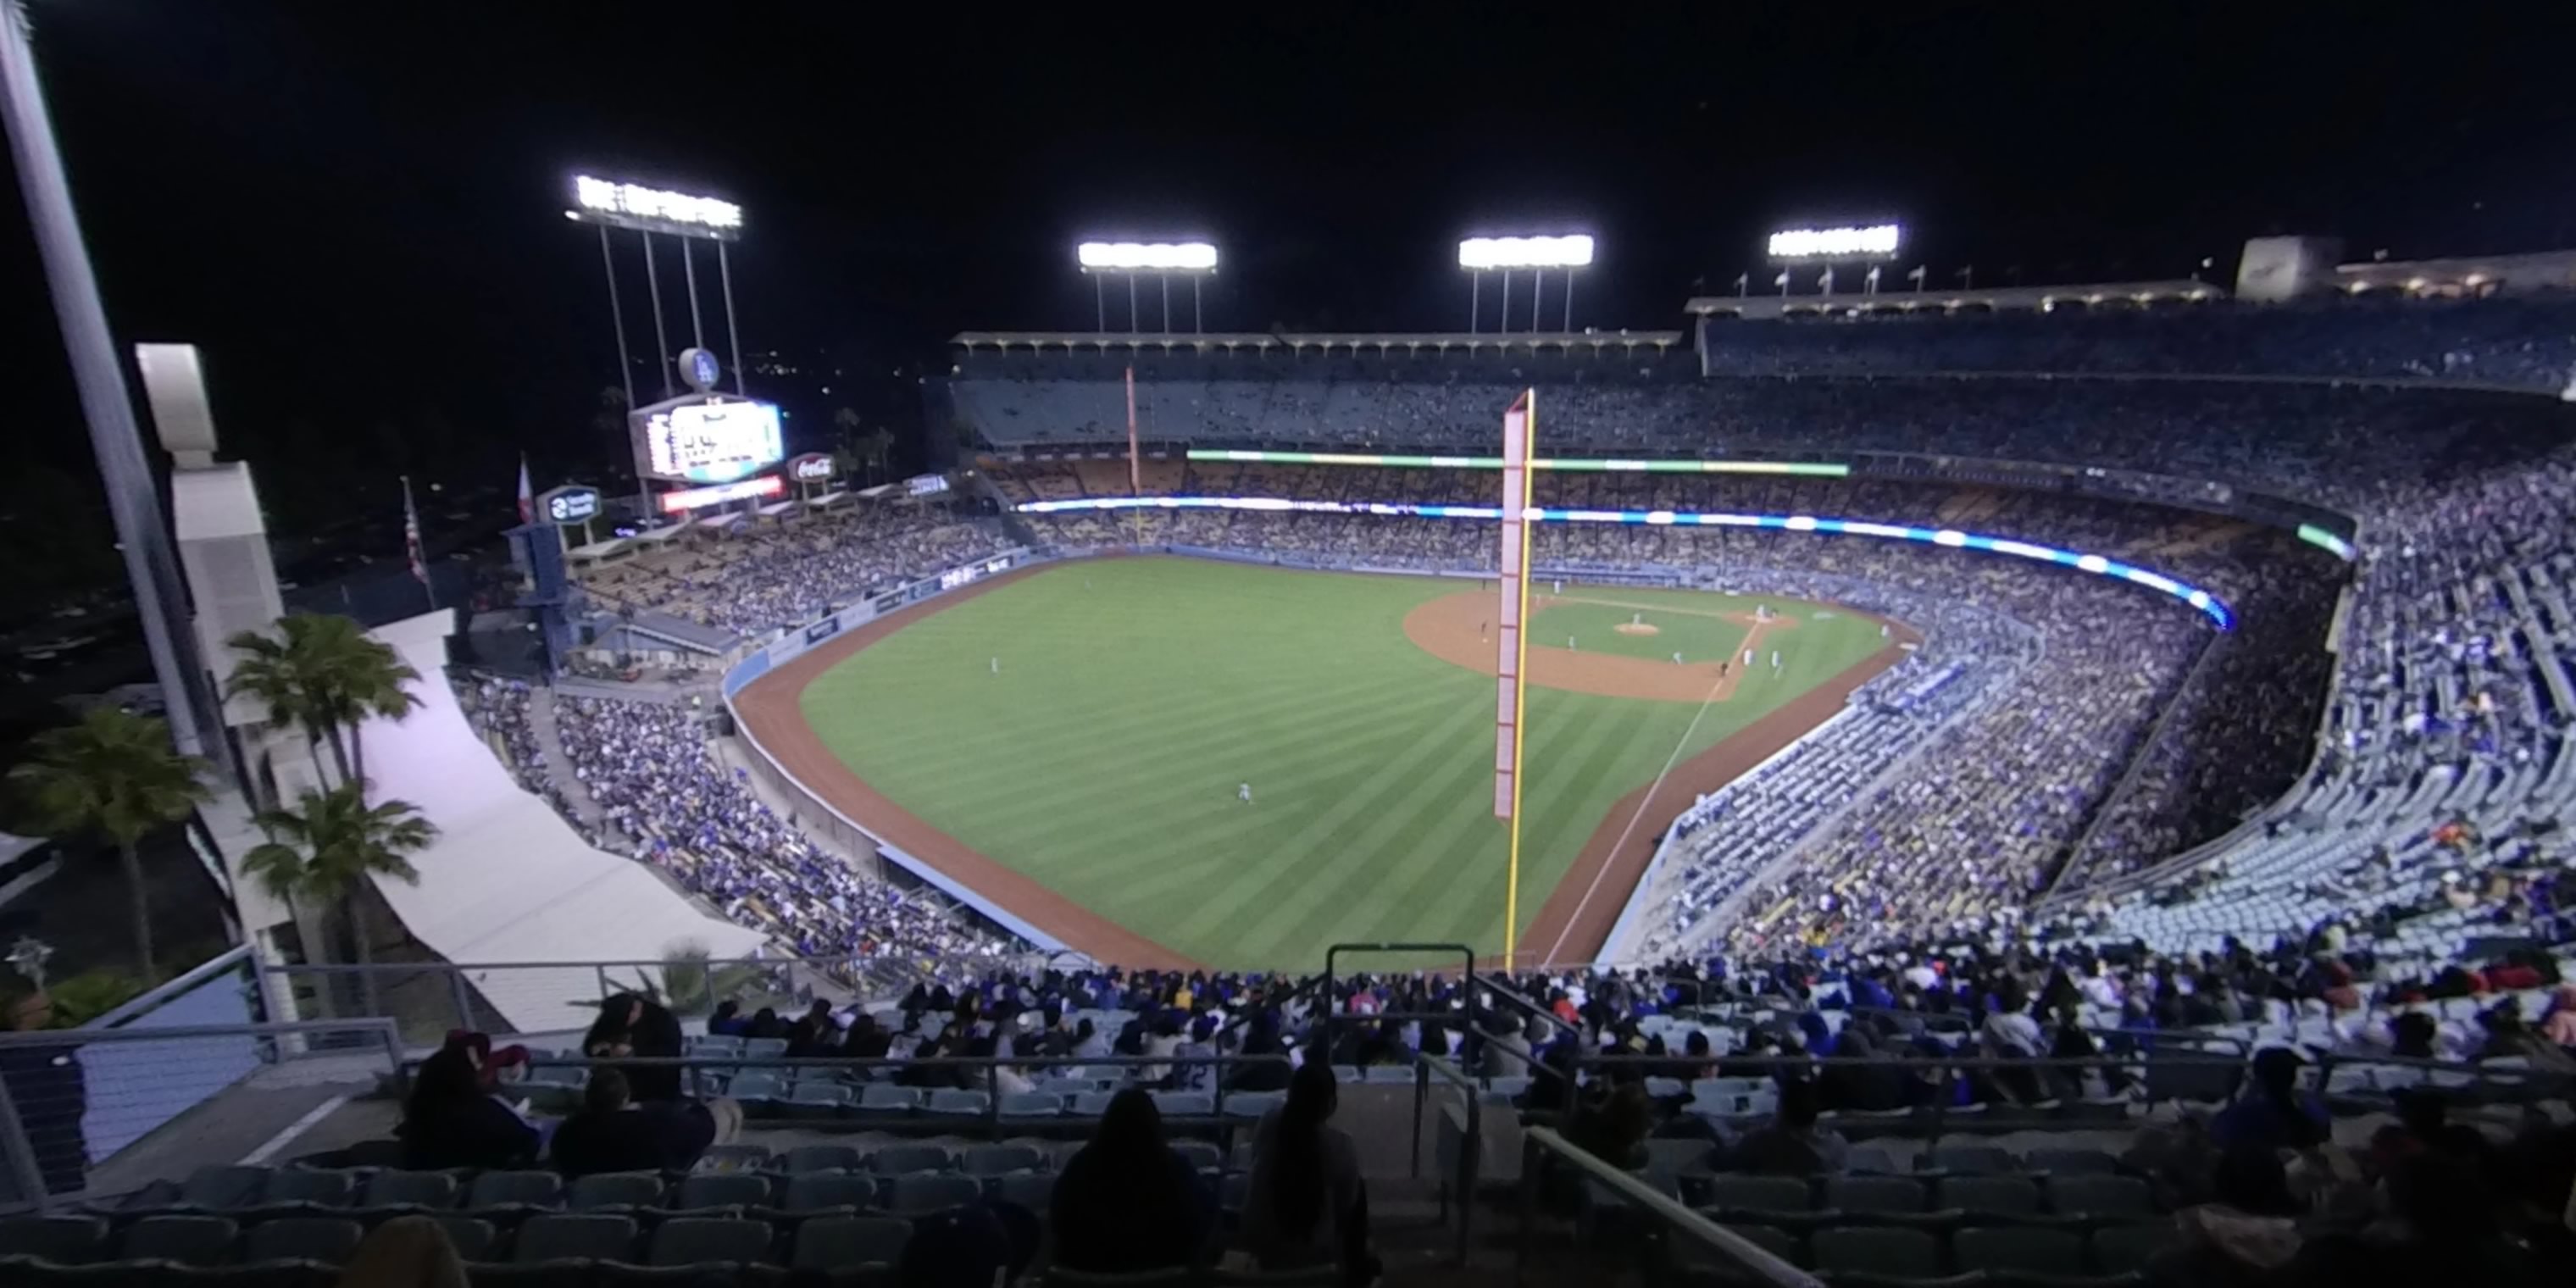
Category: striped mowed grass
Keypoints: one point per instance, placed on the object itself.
(1133, 697)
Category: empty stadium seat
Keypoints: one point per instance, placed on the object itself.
(897, 1160)
(957, 1103)
(562, 1236)
(324, 1239)
(1730, 1192)
(188, 1240)
(614, 1190)
(1877, 1250)
(822, 1191)
(515, 1189)
(2018, 1250)
(1897, 1195)
(2117, 1197)
(998, 1160)
(921, 1194)
(1032, 1190)
(823, 1158)
(395, 1188)
(1970, 1160)
(721, 1189)
(848, 1243)
(1995, 1195)
(692, 1241)
(472, 1237)
(64, 1240)
(2071, 1162)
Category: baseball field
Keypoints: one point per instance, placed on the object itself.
(1074, 741)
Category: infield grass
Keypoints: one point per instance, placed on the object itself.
(1135, 694)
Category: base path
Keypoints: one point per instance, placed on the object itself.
(1584, 907)
(772, 710)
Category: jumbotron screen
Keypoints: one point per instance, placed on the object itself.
(715, 442)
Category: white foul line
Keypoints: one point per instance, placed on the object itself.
(1631, 828)
(294, 1129)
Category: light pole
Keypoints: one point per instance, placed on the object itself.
(1481, 255)
(1161, 260)
(133, 498)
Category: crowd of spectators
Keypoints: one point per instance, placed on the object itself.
(672, 804)
(754, 581)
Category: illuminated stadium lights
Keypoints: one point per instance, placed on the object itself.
(1487, 253)
(633, 205)
(1147, 257)
(1482, 255)
(1812, 469)
(1878, 241)
(2201, 600)
(1159, 260)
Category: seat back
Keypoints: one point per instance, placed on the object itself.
(498, 1189)
(822, 1158)
(396, 1188)
(920, 1194)
(847, 1242)
(2112, 1196)
(63, 1240)
(223, 1188)
(1739, 1193)
(307, 1238)
(2071, 1162)
(1877, 1250)
(949, 1100)
(2018, 1250)
(2005, 1195)
(721, 1189)
(1875, 1194)
(1001, 1160)
(692, 1241)
(1032, 1190)
(320, 1187)
(897, 1160)
(472, 1238)
(614, 1189)
(815, 1191)
(188, 1240)
(1970, 1160)
(559, 1236)
(1200, 1155)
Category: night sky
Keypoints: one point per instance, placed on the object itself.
(357, 213)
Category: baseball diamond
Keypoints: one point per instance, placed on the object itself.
(1090, 783)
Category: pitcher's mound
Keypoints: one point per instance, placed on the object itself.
(1636, 628)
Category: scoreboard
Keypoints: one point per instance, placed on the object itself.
(707, 439)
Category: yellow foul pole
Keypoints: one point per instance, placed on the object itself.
(1516, 501)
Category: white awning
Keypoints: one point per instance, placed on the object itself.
(508, 880)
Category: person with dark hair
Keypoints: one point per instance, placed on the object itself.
(615, 1133)
(1791, 1144)
(2443, 1230)
(451, 1120)
(1127, 1201)
(865, 1040)
(1306, 1205)
(814, 1035)
(2272, 1113)
(1261, 1037)
(727, 1019)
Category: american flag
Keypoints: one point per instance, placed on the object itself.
(411, 536)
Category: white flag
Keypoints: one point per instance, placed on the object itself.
(1782, 281)
(1825, 280)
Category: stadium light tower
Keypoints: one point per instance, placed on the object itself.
(1482, 255)
(1159, 260)
(1872, 244)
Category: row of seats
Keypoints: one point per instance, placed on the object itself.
(1784, 1199)
(2005, 1254)
(31, 1246)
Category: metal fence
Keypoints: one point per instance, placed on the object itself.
(427, 1000)
(73, 1100)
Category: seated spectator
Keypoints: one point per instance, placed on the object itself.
(1127, 1201)
(452, 1120)
(2559, 1024)
(2272, 1113)
(615, 1133)
(1306, 1205)
(727, 1020)
(1792, 1144)
(2442, 1229)
(2245, 1233)
(814, 1033)
(1612, 1126)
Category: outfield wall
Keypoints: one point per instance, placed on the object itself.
(815, 814)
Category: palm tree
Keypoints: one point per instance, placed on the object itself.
(322, 674)
(114, 775)
(318, 857)
(878, 443)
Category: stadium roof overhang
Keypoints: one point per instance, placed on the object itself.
(2030, 299)
(1300, 343)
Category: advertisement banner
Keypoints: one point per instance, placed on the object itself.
(822, 630)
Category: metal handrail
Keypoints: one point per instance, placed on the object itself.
(1471, 1151)
(1540, 1142)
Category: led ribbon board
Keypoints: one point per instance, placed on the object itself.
(2210, 605)
(1811, 469)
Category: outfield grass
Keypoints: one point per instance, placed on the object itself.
(1134, 694)
(1698, 634)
